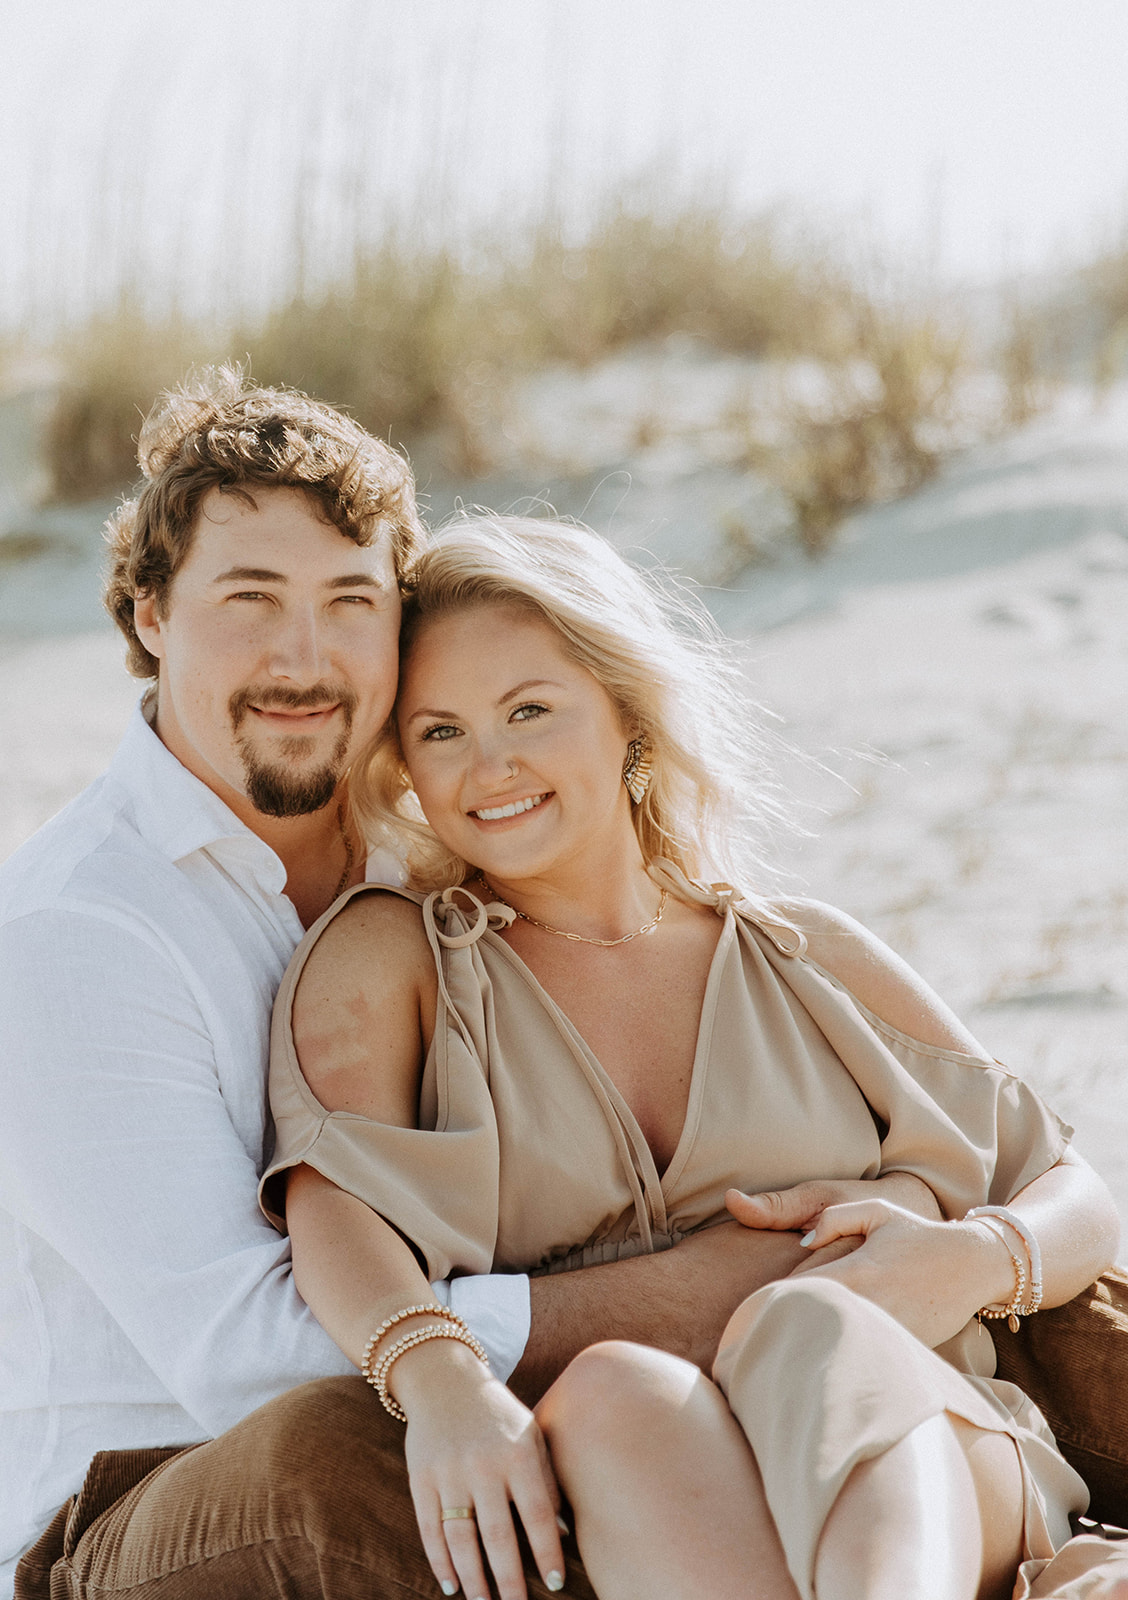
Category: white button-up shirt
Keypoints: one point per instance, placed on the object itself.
(144, 1298)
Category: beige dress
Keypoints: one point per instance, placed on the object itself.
(527, 1159)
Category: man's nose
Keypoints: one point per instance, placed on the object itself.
(296, 648)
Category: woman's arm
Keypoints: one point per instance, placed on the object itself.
(933, 1276)
(362, 1015)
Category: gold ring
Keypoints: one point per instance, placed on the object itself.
(457, 1514)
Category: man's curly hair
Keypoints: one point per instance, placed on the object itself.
(218, 430)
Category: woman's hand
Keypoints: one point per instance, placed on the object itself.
(931, 1276)
(471, 1444)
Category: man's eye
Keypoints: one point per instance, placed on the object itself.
(354, 599)
(440, 731)
(248, 594)
(527, 712)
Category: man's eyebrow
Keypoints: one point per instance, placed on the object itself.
(350, 580)
(250, 575)
(357, 580)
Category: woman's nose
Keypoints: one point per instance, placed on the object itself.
(494, 761)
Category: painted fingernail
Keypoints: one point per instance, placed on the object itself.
(448, 1586)
(562, 1525)
(808, 1238)
(554, 1581)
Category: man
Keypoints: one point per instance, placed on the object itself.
(145, 1303)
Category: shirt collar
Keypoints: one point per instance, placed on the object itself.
(177, 813)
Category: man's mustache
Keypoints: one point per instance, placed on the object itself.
(276, 696)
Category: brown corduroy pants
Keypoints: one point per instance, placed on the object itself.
(306, 1498)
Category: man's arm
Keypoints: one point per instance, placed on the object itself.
(681, 1299)
(118, 1150)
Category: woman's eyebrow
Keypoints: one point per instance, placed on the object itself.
(510, 694)
(529, 683)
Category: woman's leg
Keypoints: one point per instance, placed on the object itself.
(666, 1494)
(938, 1516)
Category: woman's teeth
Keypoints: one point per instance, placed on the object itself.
(495, 813)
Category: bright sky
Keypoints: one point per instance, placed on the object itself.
(988, 134)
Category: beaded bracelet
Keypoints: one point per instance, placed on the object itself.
(408, 1341)
(401, 1316)
(1025, 1233)
(1015, 1308)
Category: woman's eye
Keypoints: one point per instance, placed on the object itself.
(440, 731)
(526, 713)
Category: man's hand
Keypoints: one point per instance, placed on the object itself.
(681, 1299)
(800, 1207)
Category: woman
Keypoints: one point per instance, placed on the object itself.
(578, 1052)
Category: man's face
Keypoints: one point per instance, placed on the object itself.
(278, 651)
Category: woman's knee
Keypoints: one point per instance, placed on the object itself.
(617, 1398)
(613, 1378)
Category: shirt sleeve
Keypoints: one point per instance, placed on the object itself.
(497, 1307)
(117, 1149)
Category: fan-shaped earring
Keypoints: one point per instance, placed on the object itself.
(636, 769)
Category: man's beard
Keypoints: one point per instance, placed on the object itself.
(275, 789)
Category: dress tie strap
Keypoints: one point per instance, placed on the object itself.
(442, 903)
(440, 906)
(723, 897)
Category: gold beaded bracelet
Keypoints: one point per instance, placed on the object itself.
(1016, 1306)
(402, 1316)
(455, 1329)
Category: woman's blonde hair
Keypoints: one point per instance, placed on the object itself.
(664, 663)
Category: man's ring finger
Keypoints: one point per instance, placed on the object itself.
(457, 1514)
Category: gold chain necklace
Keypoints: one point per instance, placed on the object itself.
(350, 852)
(577, 938)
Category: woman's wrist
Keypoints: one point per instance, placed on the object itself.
(434, 1368)
(990, 1269)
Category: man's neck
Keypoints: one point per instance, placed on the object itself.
(322, 854)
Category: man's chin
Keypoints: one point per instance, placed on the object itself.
(281, 792)
(289, 780)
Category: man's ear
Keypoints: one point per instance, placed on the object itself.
(148, 624)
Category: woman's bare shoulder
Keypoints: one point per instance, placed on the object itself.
(878, 977)
(360, 1003)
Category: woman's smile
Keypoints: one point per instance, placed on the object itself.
(512, 808)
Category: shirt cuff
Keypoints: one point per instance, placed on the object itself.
(496, 1308)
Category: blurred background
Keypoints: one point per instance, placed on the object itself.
(824, 306)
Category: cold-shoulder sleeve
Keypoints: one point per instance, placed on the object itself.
(407, 1175)
(973, 1130)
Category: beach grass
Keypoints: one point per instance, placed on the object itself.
(417, 338)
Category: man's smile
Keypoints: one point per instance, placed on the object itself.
(289, 719)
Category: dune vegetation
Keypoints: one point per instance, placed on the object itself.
(419, 339)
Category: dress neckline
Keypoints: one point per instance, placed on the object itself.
(657, 1184)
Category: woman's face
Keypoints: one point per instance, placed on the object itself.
(514, 750)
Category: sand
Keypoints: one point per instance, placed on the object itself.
(970, 721)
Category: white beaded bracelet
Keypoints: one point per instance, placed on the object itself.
(1013, 1220)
